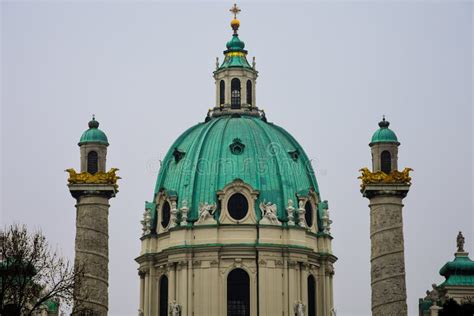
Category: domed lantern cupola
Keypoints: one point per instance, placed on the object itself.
(235, 77)
(384, 146)
(93, 145)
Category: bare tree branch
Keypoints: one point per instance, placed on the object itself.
(31, 273)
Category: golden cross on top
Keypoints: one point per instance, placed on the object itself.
(235, 10)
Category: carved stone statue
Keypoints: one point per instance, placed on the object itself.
(217, 62)
(326, 222)
(290, 213)
(299, 308)
(206, 211)
(269, 213)
(146, 222)
(175, 309)
(140, 312)
(254, 63)
(184, 212)
(301, 212)
(460, 242)
(174, 214)
(434, 293)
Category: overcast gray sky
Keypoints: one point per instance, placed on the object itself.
(328, 71)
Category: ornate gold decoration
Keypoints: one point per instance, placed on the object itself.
(235, 54)
(395, 177)
(99, 177)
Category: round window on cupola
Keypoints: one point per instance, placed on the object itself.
(308, 215)
(165, 214)
(238, 206)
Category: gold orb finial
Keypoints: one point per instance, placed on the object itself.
(235, 23)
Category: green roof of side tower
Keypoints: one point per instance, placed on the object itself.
(94, 134)
(384, 134)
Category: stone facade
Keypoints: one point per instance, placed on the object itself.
(197, 263)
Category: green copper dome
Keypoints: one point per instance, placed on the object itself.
(93, 134)
(235, 55)
(211, 155)
(235, 44)
(384, 134)
(460, 271)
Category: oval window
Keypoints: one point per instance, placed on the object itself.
(238, 206)
(308, 215)
(165, 214)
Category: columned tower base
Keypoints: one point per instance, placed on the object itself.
(387, 249)
(91, 247)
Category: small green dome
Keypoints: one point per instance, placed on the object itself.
(460, 271)
(93, 134)
(235, 44)
(384, 134)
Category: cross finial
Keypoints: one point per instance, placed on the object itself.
(235, 10)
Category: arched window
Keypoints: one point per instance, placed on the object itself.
(163, 308)
(92, 162)
(165, 214)
(238, 206)
(308, 215)
(235, 93)
(238, 293)
(386, 162)
(221, 92)
(249, 92)
(311, 296)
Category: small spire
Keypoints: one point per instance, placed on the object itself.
(383, 123)
(93, 123)
(235, 23)
(235, 10)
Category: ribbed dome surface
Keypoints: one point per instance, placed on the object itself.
(210, 155)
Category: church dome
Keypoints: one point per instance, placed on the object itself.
(384, 134)
(211, 155)
(94, 134)
(235, 44)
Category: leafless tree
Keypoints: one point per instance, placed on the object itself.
(32, 273)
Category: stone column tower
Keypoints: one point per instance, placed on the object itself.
(386, 187)
(92, 188)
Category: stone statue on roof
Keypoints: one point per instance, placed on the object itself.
(460, 242)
